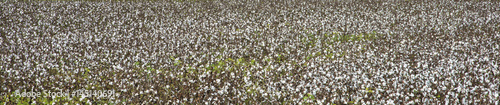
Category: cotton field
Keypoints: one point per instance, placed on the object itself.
(251, 52)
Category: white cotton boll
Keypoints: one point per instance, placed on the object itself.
(118, 67)
(411, 102)
(390, 102)
(220, 92)
(482, 70)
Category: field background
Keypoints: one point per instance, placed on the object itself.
(252, 52)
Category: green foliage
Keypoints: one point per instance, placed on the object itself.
(309, 96)
(369, 90)
(415, 91)
(137, 63)
(228, 64)
(86, 73)
(360, 37)
(330, 55)
(191, 70)
(177, 62)
(240, 60)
